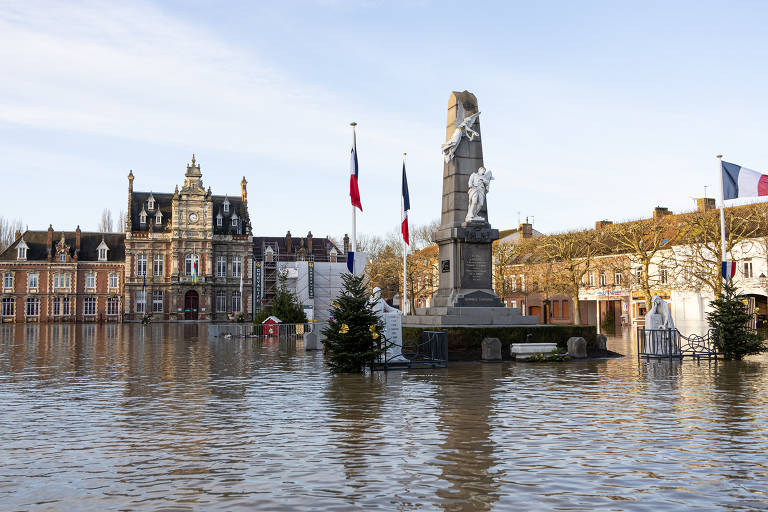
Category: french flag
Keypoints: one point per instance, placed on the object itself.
(742, 182)
(354, 191)
(728, 269)
(405, 205)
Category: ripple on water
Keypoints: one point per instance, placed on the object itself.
(161, 418)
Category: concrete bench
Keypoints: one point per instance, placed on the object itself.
(523, 351)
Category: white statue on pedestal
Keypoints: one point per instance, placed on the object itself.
(660, 329)
(463, 128)
(393, 327)
(477, 188)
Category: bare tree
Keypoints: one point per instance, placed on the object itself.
(8, 229)
(121, 222)
(106, 224)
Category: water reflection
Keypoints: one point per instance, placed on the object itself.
(160, 417)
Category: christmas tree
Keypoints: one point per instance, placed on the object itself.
(730, 317)
(353, 337)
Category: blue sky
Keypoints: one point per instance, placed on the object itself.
(591, 110)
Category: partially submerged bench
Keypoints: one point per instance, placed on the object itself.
(524, 351)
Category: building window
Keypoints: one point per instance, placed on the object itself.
(102, 255)
(221, 266)
(565, 309)
(663, 275)
(234, 221)
(32, 281)
(157, 265)
(522, 282)
(141, 305)
(748, 269)
(269, 255)
(159, 218)
(113, 280)
(602, 279)
(143, 217)
(226, 206)
(219, 220)
(141, 265)
(221, 302)
(113, 305)
(236, 307)
(33, 306)
(617, 278)
(61, 281)
(151, 203)
(591, 279)
(237, 267)
(62, 257)
(90, 280)
(8, 280)
(22, 253)
(555, 309)
(8, 306)
(638, 274)
(89, 306)
(157, 301)
(65, 306)
(56, 306)
(191, 265)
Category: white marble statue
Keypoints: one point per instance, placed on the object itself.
(477, 188)
(463, 128)
(661, 338)
(393, 323)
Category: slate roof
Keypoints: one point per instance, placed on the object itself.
(89, 243)
(163, 202)
(321, 247)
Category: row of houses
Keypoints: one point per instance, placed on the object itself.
(184, 256)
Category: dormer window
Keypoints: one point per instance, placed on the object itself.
(334, 255)
(234, 221)
(226, 206)
(151, 203)
(158, 218)
(219, 220)
(62, 257)
(143, 216)
(21, 250)
(102, 249)
(269, 254)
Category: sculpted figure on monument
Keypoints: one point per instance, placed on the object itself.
(477, 188)
(463, 128)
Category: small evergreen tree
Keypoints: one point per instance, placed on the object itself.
(285, 306)
(729, 317)
(354, 336)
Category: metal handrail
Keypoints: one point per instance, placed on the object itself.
(668, 343)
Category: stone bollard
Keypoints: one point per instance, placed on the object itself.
(602, 341)
(311, 342)
(491, 349)
(577, 347)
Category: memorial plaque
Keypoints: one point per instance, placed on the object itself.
(445, 266)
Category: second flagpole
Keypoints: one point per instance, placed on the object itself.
(353, 246)
(722, 216)
(405, 255)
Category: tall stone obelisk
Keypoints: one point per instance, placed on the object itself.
(464, 246)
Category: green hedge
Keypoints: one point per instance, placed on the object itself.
(464, 343)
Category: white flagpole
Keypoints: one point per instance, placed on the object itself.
(405, 253)
(722, 211)
(353, 247)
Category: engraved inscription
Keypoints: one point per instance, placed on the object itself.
(476, 267)
(445, 266)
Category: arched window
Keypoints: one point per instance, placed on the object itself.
(191, 262)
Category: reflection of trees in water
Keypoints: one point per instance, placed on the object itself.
(466, 456)
(355, 406)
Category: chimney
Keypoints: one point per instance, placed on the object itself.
(309, 243)
(77, 243)
(50, 242)
(346, 243)
(288, 242)
(526, 229)
(244, 190)
(660, 211)
(705, 204)
(603, 223)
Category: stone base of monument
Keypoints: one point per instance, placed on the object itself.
(474, 316)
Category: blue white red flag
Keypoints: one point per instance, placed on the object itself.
(354, 191)
(405, 206)
(739, 181)
(728, 270)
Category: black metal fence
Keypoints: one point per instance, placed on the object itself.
(431, 352)
(670, 343)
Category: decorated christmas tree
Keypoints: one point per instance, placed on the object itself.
(730, 317)
(353, 337)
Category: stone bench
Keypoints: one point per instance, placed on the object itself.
(523, 351)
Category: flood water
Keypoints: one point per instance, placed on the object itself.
(161, 418)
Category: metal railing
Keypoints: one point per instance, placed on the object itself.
(248, 330)
(431, 352)
(670, 343)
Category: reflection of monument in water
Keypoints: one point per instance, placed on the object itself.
(465, 294)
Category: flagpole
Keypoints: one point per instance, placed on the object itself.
(405, 257)
(722, 213)
(353, 247)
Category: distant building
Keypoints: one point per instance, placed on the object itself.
(188, 254)
(62, 276)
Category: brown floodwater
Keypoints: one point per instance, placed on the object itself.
(162, 418)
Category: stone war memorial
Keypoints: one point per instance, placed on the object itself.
(465, 295)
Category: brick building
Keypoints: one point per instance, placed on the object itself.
(70, 276)
(188, 253)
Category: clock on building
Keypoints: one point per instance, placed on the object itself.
(193, 217)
